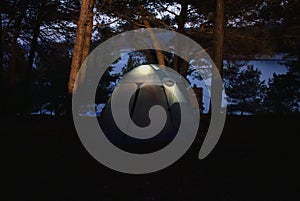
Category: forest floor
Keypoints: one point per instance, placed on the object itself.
(255, 159)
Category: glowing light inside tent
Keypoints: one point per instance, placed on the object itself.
(145, 69)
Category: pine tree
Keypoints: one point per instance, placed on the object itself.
(244, 89)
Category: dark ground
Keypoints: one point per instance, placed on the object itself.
(255, 159)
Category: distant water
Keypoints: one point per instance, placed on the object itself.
(268, 68)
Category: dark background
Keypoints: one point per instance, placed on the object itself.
(255, 159)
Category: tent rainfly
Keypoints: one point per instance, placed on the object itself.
(155, 86)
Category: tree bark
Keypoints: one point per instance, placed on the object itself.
(218, 44)
(158, 52)
(184, 64)
(1, 53)
(219, 36)
(82, 43)
(13, 53)
(29, 72)
(179, 64)
(32, 51)
(1, 70)
(87, 40)
(13, 62)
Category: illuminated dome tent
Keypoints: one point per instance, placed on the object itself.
(155, 86)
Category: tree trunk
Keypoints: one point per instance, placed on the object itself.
(1, 70)
(1, 53)
(33, 48)
(184, 64)
(29, 72)
(82, 43)
(12, 64)
(218, 44)
(159, 53)
(13, 54)
(87, 40)
(219, 36)
(179, 64)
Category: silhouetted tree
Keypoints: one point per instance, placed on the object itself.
(31, 29)
(283, 94)
(26, 26)
(219, 35)
(134, 60)
(1, 69)
(283, 91)
(244, 89)
(51, 78)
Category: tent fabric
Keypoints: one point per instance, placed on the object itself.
(161, 89)
(166, 78)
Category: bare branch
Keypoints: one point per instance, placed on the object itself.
(106, 24)
(139, 25)
(159, 53)
(166, 9)
(163, 23)
(200, 53)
